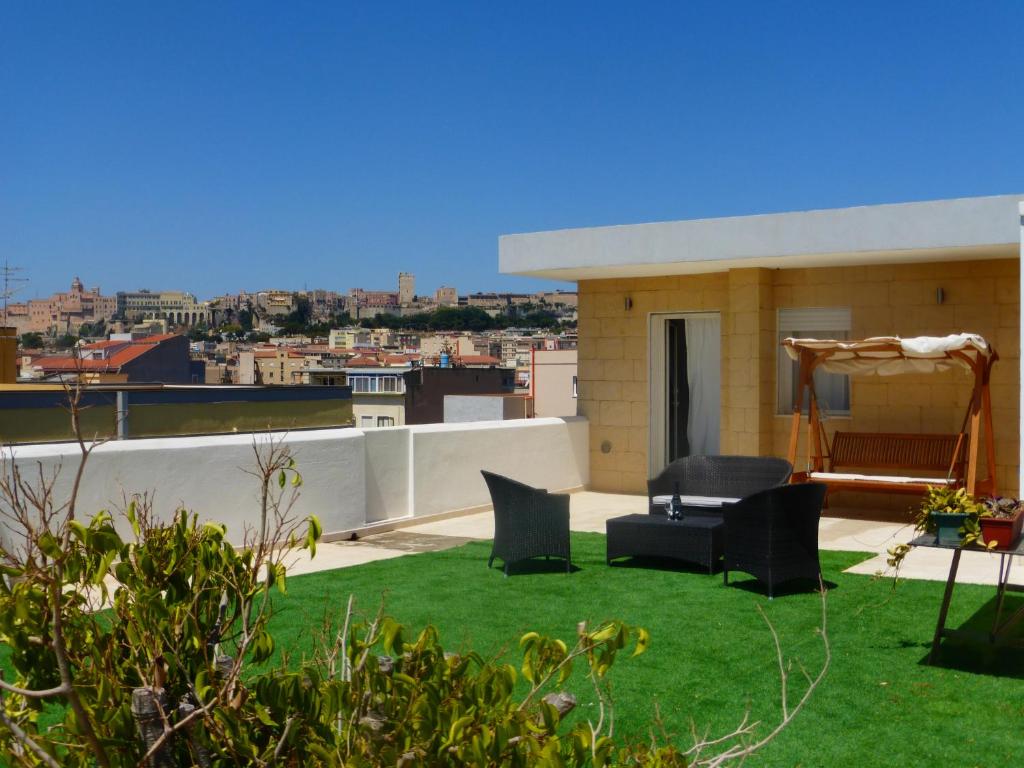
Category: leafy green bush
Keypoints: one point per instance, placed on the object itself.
(184, 593)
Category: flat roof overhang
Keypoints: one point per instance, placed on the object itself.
(941, 230)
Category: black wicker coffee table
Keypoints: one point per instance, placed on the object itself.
(696, 538)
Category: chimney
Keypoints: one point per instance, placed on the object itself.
(8, 359)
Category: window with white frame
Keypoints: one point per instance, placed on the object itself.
(374, 384)
(575, 389)
(833, 389)
(385, 421)
(366, 421)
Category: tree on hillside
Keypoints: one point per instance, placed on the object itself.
(93, 330)
(247, 316)
(302, 313)
(31, 340)
(65, 341)
(441, 319)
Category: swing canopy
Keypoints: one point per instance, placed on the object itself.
(888, 356)
(891, 355)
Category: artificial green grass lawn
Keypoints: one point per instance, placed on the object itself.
(711, 655)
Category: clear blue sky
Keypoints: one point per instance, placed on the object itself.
(217, 146)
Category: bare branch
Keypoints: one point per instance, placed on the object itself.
(29, 693)
(741, 751)
(284, 737)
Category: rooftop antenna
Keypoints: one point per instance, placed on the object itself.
(11, 283)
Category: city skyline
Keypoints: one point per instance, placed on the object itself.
(337, 144)
(18, 288)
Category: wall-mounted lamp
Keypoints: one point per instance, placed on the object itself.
(940, 295)
(628, 303)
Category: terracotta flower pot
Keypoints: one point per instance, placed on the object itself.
(1004, 531)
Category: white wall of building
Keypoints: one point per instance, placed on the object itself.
(352, 478)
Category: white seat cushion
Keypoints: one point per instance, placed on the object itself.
(893, 479)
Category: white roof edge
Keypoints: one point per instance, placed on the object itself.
(976, 227)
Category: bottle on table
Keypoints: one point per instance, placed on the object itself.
(675, 507)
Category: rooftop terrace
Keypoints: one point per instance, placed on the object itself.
(406, 515)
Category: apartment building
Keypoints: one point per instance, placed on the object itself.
(378, 394)
(349, 338)
(271, 365)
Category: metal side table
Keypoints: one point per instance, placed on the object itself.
(1000, 626)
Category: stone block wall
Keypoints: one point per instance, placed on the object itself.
(614, 356)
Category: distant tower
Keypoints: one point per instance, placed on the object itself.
(406, 288)
(76, 285)
(446, 296)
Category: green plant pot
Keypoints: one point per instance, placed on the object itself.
(947, 527)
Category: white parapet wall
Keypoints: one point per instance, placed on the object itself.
(352, 478)
(209, 475)
(447, 458)
(387, 474)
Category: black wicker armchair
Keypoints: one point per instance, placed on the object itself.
(528, 522)
(723, 476)
(773, 534)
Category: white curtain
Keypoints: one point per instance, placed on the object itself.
(704, 378)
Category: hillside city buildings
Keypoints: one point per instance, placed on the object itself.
(67, 312)
(62, 312)
(393, 377)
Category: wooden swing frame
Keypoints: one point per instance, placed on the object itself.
(887, 351)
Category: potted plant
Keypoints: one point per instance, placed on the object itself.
(954, 516)
(1001, 521)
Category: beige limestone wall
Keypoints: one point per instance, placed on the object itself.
(613, 366)
(979, 296)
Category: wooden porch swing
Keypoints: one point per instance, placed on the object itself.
(954, 454)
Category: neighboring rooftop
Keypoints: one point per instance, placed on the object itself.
(101, 356)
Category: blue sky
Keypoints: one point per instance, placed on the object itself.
(217, 146)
